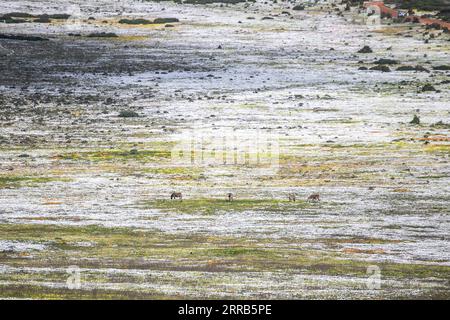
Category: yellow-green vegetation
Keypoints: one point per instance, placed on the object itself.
(174, 171)
(116, 155)
(130, 249)
(14, 181)
(28, 291)
(213, 206)
(438, 148)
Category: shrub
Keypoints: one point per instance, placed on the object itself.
(135, 21)
(128, 114)
(165, 20)
(428, 87)
(299, 7)
(415, 120)
(102, 35)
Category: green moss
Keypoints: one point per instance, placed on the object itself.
(130, 249)
(438, 148)
(415, 120)
(165, 20)
(174, 171)
(213, 206)
(25, 291)
(119, 155)
(231, 252)
(135, 22)
(10, 181)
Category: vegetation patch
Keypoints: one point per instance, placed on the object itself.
(141, 21)
(22, 37)
(128, 114)
(135, 21)
(8, 181)
(111, 155)
(102, 35)
(214, 206)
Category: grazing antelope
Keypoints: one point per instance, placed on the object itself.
(314, 197)
(291, 197)
(175, 195)
(230, 197)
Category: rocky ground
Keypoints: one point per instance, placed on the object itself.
(92, 108)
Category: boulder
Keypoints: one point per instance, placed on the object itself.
(382, 68)
(428, 87)
(365, 49)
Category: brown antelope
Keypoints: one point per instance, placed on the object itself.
(175, 195)
(230, 197)
(291, 197)
(314, 197)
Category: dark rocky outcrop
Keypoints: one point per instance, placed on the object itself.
(428, 87)
(145, 21)
(442, 68)
(298, 7)
(386, 61)
(135, 21)
(417, 68)
(128, 114)
(102, 35)
(22, 17)
(22, 37)
(382, 68)
(43, 19)
(365, 49)
(165, 20)
(415, 120)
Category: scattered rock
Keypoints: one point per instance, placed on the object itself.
(18, 15)
(59, 16)
(442, 68)
(102, 35)
(12, 20)
(135, 21)
(382, 68)
(415, 120)
(128, 114)
(441, 124)
(299, 7)
(386, 61)
(422, 69)
(43, 19)
(365, 49)
(412, 68)
(23, 38)
(165, 20)
(428, 87)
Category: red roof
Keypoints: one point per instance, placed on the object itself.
(427, 21)
(383, 9)
(394, 14)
